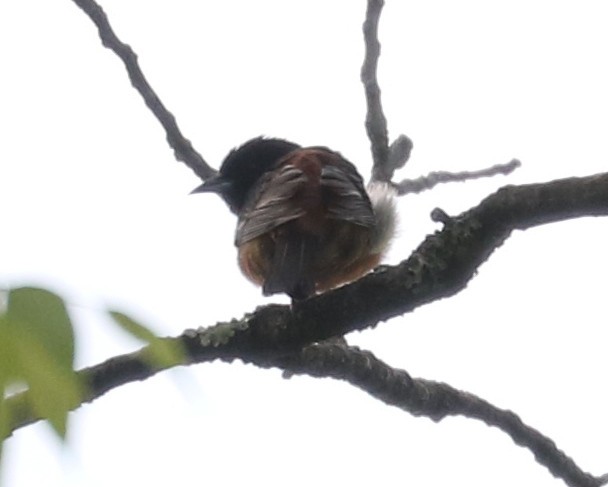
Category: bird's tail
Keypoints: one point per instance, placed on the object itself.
(291, 270)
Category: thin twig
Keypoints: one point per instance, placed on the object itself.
(181, 146)
(423, 183)
(375, 122)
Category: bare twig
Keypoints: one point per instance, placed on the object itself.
(182, 147)
(387, 159)
(432, 179)
(441, 266)
(375, 122)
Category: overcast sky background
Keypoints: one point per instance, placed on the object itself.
(95, 206)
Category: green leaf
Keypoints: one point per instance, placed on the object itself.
(37, 348)
(5, 373)
(4, 421)
(161, 352)
(43, 314)
(6, 362)
(53, 389)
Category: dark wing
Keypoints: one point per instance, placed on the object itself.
(347, 198)
(270, 204)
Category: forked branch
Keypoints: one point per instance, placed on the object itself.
(389, 158)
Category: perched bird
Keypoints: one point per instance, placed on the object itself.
(305, 220)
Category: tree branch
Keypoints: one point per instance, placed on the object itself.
(423, 183)
(387, 159)
(181, 146)
(375, 122)
(442, 265)
(431, 399)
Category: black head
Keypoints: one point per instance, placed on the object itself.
(243, 166)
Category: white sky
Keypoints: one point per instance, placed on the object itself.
(94, 206)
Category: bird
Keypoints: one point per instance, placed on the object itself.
(306, 222)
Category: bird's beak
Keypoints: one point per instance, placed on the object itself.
(216, 184)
